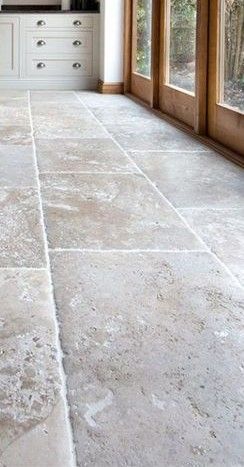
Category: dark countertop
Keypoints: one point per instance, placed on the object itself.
(44, 11)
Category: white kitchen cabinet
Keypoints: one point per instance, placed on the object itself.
(71, 43)
(9, 46)
(49, 51)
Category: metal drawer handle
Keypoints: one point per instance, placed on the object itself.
(41, 65)
(76, 65)
(41, 43)
(41, 23)
(77, 43)
(77, 23)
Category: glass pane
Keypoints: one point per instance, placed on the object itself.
(182, 46)
(233, 54)
(143, 37)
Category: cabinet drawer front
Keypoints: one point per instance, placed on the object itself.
(74, 22)
(72, 67)
(69, 43)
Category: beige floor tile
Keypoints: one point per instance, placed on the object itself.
(223, 232)
(152, 342)
(10, 112)
(34, 430)
(81, 155)
(65, 126)
(194, 180)
(153, 347)
(18, 135)
(95, 100)
(17, 166)
(21, 236)
(110, 211)
(58, 109)
(15, 94)
(153, 135)
(126, 114)
(53, 96)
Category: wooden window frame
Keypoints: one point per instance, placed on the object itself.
(224, 123)
(173, 101)
(204, 87)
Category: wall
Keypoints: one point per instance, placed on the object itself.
(112, 36)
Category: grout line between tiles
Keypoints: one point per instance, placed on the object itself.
(117, 250)
(171, 151)
(210, 208)
(223, 265)
(57, 331)
(18, 187)
(21, 268)
(55, 137)
(86, 173)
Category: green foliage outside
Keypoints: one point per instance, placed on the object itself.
(183, 41)
(143, 57)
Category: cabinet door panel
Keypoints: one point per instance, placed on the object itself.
(9, 46)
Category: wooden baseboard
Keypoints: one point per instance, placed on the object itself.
(110, 88)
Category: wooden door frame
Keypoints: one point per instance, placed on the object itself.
(204, 87)
(202, 47)
(158, 47)
(188, 108)
(172, 100)
(145, 86)
(224, 123)
(127, 53)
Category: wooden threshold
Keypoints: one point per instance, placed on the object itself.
(110, 88)
(227, 153)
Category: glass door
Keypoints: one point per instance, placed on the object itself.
(141, 68)
(226, 73)
(178, 59)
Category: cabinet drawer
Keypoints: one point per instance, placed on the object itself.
(63, 43)
(68, 21)
(70, 67)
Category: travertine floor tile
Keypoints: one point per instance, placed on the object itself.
(66, 126)
(15, 111)
(53, 96)
(58, 109)
(194, 180)
(81, 155)
(223, 232)
(16, 94)
(108, 211)
(152, 341)
(17, 166)
(153, 347)
(151, 135)
(21, 236)
(126, 114)
(33, 427)
(19, 135)
(95, 100)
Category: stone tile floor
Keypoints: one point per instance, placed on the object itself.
(121, 288)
